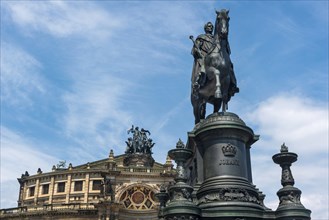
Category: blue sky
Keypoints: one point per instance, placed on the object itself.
(76, 75)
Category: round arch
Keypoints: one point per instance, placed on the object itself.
(138, 197)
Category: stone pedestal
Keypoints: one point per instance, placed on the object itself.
(138, 160)
(227, 192)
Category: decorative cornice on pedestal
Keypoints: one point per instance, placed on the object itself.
(223, 123)
(220, 118)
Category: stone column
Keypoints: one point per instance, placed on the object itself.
(51, 189)
(36, 191)
(68, 188)
(24, 192)
(86, 189)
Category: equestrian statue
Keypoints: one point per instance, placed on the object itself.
(213, 78)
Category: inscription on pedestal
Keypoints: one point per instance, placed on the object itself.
(229, 162)
(229, 151)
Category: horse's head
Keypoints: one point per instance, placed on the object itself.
(222, 23)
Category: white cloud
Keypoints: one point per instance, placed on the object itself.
(174, 22)
(95, 115)
(298, 121)
(62, 19)
(287, 25)
(317, 203)
(9, 194)
(107, 81)
(20, 76)
(303, 124)
(162, 122)
(18, 155)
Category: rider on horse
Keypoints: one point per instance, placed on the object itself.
(213, 78)
(203, 45)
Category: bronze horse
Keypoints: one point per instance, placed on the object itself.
(218, 84)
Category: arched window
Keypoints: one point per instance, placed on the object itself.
(138, 198)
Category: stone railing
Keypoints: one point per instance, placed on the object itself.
(140, 170)
(50, 207)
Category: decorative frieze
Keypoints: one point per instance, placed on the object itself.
(230, 194)
(182, 217)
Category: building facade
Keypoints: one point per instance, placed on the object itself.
(118, 187)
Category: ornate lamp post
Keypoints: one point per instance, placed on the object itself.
(180, 205)
(289, 196)
(163, 197)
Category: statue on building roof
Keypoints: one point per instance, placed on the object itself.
(139, 143)
(139, 148)
(26, 174)
(61, 164)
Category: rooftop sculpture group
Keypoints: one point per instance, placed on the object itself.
(139, 148)
(213, 78)
(139, 143)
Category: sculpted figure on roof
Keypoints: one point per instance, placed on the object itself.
(140, 142)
